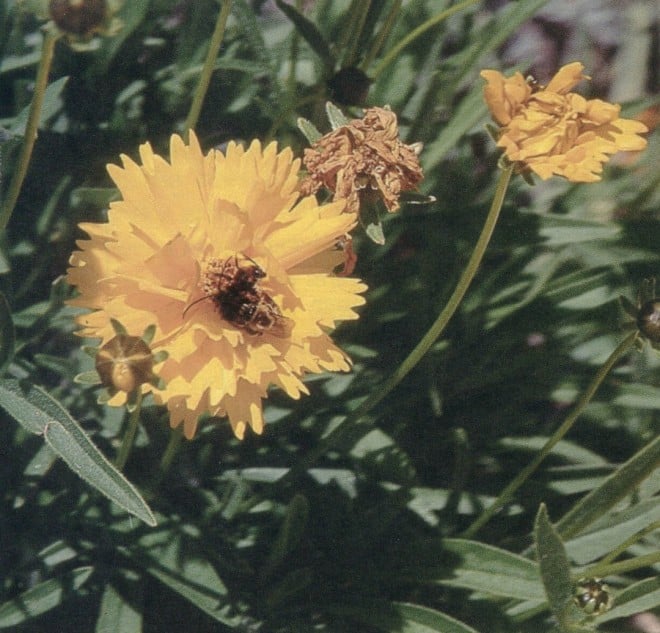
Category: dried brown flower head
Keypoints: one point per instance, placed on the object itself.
(362, 161)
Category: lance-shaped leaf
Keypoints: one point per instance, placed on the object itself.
(621, 483)
(555, 571)
(39, 413)
(309, 32)
(7, 335)
(42, 597)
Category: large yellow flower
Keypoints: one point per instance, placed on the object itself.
(551, 130)
(221, 253)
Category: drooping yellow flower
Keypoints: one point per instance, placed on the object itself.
(364, 158)
(224, 257)
(552, 131)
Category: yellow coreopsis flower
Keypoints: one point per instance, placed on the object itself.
(552, 131)
(224, 257)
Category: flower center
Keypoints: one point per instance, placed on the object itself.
(233, 284)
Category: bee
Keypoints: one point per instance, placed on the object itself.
(233, 286)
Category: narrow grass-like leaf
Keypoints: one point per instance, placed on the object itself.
(116, 615)
(642, 596)
(309, 130)
(638, 396)
(401, 617)
(51, 106)
(309, 32)
(293, 526)
(621, 483)
(39, 413)
(470, 111)
(613, 529)
(492, 570)
(42, 597)
(7, 335)
(554, 566)
(336, 117)
(187, 572)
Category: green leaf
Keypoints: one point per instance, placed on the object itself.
(51, 106)
(621, 483)
(419, 619)
(43, 597)
(492, 570)
(7, 335)
(293, 527)
(470, 111)
(401, 617)
(186, 571)
(554, 566)
(613, 529)
(41, 414)
(642, 596)
(336, 117)
(309, 32)
(559, 230)
(116, 615)
(638, 396)
(309, 130)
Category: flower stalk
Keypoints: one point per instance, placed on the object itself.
(418, 32)
(47, 52)
(438, 327)
(131, 431)
(507, 494)
(208, 68)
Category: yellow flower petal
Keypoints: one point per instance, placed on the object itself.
(551, 131)
(242, 210)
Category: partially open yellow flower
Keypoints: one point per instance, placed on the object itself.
(364, 158)
(223, 256)
(550, 130)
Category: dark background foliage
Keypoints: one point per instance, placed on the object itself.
(354, 543)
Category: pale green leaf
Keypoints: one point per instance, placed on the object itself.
(554, 566)
(42, 597)
(621, 483)
(116, 615)
(642, 596)
(492, 570)
(40, 414)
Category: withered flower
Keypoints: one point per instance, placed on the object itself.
(363, 161)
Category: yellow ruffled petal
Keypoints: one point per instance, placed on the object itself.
(237, 214)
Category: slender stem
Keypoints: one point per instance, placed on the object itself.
(382, 36)
(415, 33)
(207, 70)
(129, 436)
(424, 345)
(507, 494)
(623, 566)
(620, 549)
(176, 435)
(41, 82)
(350, 53)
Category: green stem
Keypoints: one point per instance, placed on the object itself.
(350, 53)
(129, 436)
(507, 494)
(622, 567)
(209, 66)
(176, 435)
(382, 36)
(41, 82)
(424, 345)
(415, 33)
(629, 542)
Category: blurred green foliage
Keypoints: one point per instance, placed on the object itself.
(368, 538)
